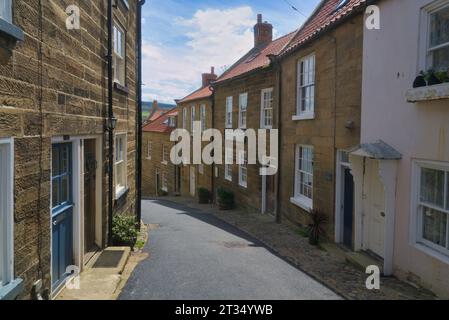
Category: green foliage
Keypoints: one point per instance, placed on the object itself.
(316, 227)
(204, 195)
(225, 198)
(124, 231)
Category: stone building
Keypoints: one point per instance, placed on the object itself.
(244, 99)
(55, 130)
(197, 106)
(320, 71)
(159, 175)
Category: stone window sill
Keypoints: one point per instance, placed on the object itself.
(121, 192)
(303, 203)
(429, 93)
(122, 89)
(11, 290)
(10, 31)
(305, 116)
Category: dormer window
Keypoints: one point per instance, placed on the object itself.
(341, 4)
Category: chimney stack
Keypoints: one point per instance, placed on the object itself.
(263, 32)
(209, 77)
(155, 105)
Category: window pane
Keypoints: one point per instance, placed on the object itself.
(432, 186)
(441, 59)
(55, 192)
(64, 189)
(447, 190)
(439, 27)
(434, 226)
(55, 162)
(5, 10)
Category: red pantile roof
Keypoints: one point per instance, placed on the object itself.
(324, 16)
(256, 58)
(201, 93)
(161, 124)
(156, 115)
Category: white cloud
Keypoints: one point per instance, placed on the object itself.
(215, 38)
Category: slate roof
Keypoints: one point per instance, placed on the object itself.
(160, 124)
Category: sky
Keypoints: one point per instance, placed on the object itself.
(183, 38)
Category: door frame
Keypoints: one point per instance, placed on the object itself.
(78, 198)
(339, 195)
(192, 170)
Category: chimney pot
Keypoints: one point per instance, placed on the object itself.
(209, 77)
(259, 18)
(263, 32)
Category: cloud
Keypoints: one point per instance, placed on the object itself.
(213, 37)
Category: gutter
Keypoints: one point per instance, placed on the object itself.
(139, 115)
(110, 116)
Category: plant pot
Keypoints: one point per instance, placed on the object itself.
(419, 82)
(225, 205)
(203, 199)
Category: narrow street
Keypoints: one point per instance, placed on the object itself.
(196, 256)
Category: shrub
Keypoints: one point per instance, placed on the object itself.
(225, 199)
(316, 227)
(124, 231)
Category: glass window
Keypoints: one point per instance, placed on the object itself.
(439, 39)
(165, 154)
(243, 169)
(184, 118)
(306, 86)
(6, 10)
(119, 57)
(149, 150)
(304, 175)
(243, 104)
(6, 212)
(164, 182)
(120, 164)
(267, 109)
(433, 207)
(228, 164)
(229, 112)
(192, 118)
(203, 117)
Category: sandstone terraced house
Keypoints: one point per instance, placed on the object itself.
(160, 176)
(68, 136)
(197, 106)
(244, 98)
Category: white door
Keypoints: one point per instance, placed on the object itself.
(192, 181)
(374, 210)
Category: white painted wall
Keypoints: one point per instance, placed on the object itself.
(418, 131)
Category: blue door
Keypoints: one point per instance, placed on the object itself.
(62, 212)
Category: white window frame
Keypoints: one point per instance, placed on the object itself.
(203, 117)
(165, 154)
(298, 198)
(229, 154)
(192, 118)
(6, 10)
(266, 108)
(164, 181)
(243, 110)
(301, 84)
(416, 232)
(184, 118)
(426, 58)
(6, 211)
(120, 158)
(119, 53)
(149, 149)
(243, 169)
(228, 116)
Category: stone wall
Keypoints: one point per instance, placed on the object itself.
(60, 90)
(337, 102)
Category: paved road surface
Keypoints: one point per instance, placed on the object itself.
(195, 256)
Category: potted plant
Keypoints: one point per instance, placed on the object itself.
(316, 227)
(162, 193)
(420, 81)
(203, 195)
(225, 199)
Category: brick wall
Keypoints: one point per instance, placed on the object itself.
(73, 82)
(337, 101)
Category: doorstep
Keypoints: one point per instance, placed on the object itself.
(101, 277)
(361, 260)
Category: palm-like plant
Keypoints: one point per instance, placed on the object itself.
(316, 227)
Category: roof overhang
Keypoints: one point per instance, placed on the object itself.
(378, 150)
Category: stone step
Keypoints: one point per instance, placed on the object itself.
(361, 260)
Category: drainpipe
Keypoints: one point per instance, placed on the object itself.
(110, 118)
(213, 126)
(139, 114)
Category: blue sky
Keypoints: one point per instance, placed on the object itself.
(182, 39)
